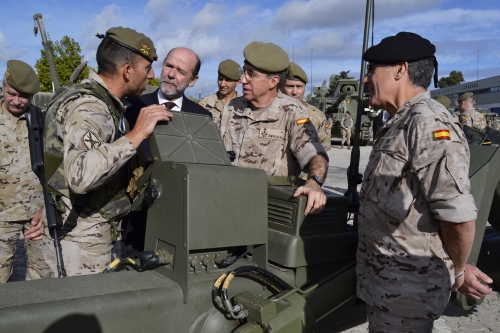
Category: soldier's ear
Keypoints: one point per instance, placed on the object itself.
(126, 72)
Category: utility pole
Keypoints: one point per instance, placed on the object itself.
(48, 52)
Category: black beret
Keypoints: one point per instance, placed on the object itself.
(405, 46)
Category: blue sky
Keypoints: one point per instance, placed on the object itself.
(218, 30)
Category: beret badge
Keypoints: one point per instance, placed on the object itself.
(145, 49)
(7, 73)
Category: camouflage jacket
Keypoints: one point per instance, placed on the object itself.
(21, 194)
(214, 105)
(473, 119)
(92, 158)
(347, 123)
(417, 175)
(495, 125)
(318, 119)
(281, 141)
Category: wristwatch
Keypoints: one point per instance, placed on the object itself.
(317, 179)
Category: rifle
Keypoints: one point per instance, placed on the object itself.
(34, 121)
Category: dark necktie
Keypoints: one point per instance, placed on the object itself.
(170, 105)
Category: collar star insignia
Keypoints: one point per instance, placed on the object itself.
(91, 140)
(145, 49)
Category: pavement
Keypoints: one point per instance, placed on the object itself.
(480, 318)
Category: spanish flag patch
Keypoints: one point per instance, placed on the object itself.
(441, 135)
(302, 121)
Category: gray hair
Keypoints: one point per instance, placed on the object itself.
(420, 72)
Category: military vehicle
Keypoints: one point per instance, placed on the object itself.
(346, 99)
(229, 250)
(320, 100)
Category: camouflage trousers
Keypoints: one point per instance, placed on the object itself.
(10, 232)
(383, 322)
(346, 135)
(79, 258)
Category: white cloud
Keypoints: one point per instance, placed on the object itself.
(9, 52)
(111, 16)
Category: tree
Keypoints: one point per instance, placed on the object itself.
(308, 97)
(334, 78)
(452, 80)
(154, 82)
(67, 57)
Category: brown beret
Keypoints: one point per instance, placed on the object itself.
(465, 96)
(230, 69)
(268, 57)
(295, 72)
(20, 76)
(444, 100)
(132, 40)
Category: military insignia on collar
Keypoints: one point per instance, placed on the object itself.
(302, 121)
(91, 140)
(326, 126)
(7, 73)
(442, 134)
(464, 118)
(145, 49)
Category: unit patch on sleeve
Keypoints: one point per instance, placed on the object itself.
(271, 133)
(91, 140)
(441, 135)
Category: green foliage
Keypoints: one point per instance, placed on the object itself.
(452, 80)
(334, 78)
(308, 97)
(154, 82)
(67, 57)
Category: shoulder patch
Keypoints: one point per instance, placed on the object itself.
(442, 134)
(91, 140)
(302, 121)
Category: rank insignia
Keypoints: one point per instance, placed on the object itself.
(441, 135)
(7, 73)
(302, 121)
(326, 126)
(91, 140)
(145, 49)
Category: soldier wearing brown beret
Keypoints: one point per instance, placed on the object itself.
(21, 197)
(417, 216)
(468, 115)
(295, 86)
(87, 126)
(269, 130)
(229, 74)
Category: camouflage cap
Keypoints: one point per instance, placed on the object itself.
(132, 40)
(230, 69)
(444, 100)
(20, 76)
(295, 72)
(465, 96)
(268, 57)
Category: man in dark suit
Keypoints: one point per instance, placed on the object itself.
(180, 70)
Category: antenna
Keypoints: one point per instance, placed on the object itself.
(477, 73)
(311, 72)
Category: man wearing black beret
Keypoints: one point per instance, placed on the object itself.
(417, 215)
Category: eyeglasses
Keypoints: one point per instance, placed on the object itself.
(250, 75)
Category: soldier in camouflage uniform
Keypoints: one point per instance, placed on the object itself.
(417, 216)
(229, 78)
(346, 126)
(21, 196)
(495, 124)
(468, 115)
(91, 131)
(271, 131)
(295, 86)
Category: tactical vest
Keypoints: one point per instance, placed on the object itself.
(110, 200)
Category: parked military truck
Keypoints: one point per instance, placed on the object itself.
(346, 99)
(320, 100)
